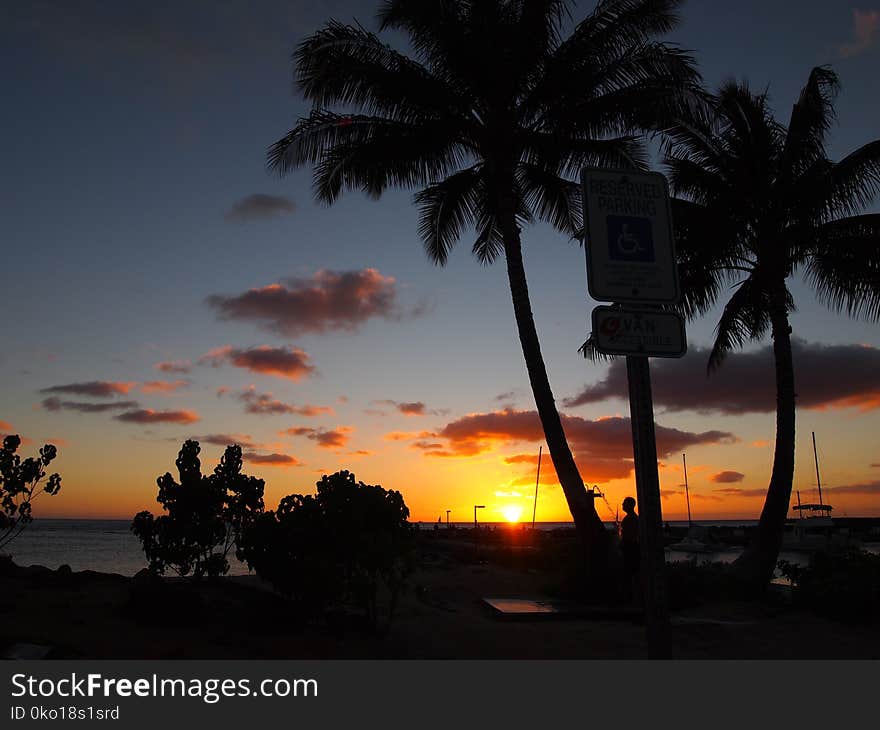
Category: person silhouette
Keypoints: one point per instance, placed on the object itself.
(629, 546)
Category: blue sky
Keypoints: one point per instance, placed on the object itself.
(133, 129)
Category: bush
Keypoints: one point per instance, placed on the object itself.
(334, 548)
(844, 586)
(206, 515)
(20, 483)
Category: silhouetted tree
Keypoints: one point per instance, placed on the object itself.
(337, 546)
(20, 483)
(206, 515)
(761, 202)
(490, 121)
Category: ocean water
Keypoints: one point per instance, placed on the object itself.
(106, 546)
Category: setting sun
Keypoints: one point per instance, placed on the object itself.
(512, 512)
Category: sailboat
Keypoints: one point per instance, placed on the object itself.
(697, 539)
(813, 529)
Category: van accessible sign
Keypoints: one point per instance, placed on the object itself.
(629, 244)
(639, 332)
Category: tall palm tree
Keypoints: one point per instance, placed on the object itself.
(488, 122)
(761, 202)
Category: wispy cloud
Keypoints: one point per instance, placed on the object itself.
(163, 386)
(174, 366)
(745, 382)
(149, 416)
(54, 403)
(279, 460)
(866, 31)
(257, 206)
(727, 477)
(283, 362)
(411, 408)
(93, 389)
(267, 404)
(602, 447)
(333, 438)
(329, 300)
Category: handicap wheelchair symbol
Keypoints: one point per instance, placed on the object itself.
(630, 239)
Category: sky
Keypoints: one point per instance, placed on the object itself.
(160, 284)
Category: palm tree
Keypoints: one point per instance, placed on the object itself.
(489, 122)
(759, 203)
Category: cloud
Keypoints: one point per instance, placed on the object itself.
(280, 460)
(416, 408)
(745, 381)
(727, 477)
(148, 415)
(93, 389)
(226, 439)
(869, 488)
(163, 386)
(740, 492)
(174, 366)
(329, 300)
(603, 448)
(335, 438)
(56, 404)
(406, 435)
(266, 404)
(283, 362)
(760, 444)
(866, 30)
(6, 427)
(259, 205)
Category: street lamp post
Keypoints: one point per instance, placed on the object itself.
(476, 507)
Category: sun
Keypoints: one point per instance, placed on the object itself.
(512, 512)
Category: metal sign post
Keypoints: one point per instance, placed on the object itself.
(631, 259)
(653, 557)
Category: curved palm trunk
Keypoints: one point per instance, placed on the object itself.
(759, 559)
(589, 525)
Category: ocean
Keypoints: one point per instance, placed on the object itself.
(108, 546)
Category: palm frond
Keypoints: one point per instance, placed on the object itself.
(745, 317)
(592, 353)
(366, 153)
(705, 258)
(446, 208)
(855, 180)
(811, 118)
(348, 65)
(551, 198)
(844, 268)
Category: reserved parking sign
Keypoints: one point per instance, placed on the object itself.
(629, 240)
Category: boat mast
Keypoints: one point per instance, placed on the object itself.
(687, 495)
(537, 479)
(816, 458)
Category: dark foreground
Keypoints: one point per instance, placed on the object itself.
(90, 615)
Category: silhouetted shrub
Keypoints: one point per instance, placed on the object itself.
(336, 547)
(844, 587)
(20, 483)
(206, 515)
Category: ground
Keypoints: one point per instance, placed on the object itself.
(91, 615)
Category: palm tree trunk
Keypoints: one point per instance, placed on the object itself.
(589, 526)
(758, 561)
